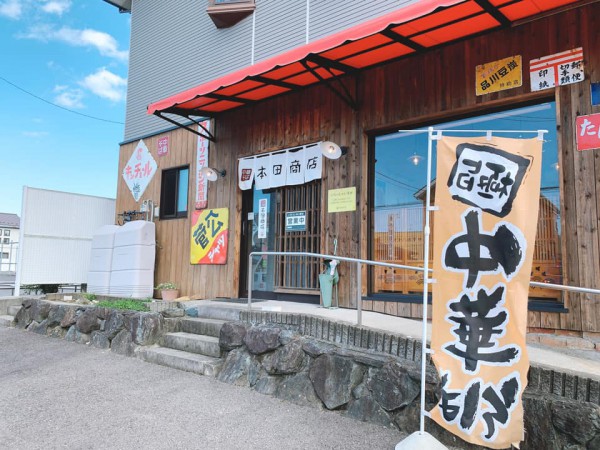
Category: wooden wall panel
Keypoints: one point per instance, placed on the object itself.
(420, 90)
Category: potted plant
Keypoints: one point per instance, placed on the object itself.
(168, 291)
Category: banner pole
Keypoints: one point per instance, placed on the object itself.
(426, 233)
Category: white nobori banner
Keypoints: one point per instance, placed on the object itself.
(293, 166)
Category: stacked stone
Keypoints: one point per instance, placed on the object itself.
(120, 331)
(372, 386)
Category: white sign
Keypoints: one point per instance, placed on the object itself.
(263, 218)
(282, 168)
(295, 167)
(314, 162)
(202, 161)
(557, 70)
(277, 171)
(139, 170)
(245, 173)
(262, 171)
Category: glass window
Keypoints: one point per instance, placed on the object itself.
(399, 197)
(174, 193)
(6, 240)
(4, 255)
(6, 232)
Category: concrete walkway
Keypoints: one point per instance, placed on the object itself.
(58, 394)
(579, 362)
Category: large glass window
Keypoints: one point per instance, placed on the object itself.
(399, 197)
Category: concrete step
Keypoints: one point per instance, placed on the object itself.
(207, 327)
(6, 321)
(13, 310)
(177, 359)
(193, 343)
(228, 313)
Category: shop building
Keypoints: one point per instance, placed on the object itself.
(277, 78)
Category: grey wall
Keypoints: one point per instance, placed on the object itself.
(175, 46)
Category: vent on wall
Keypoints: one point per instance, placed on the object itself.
(226, 13)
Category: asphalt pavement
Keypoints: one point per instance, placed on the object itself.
(59, 394)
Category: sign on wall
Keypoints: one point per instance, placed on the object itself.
(201, 162)
(282, 168)
(498, 75)
(340, 200)
(139, 170)
(209, 236)
(588, 132)
(163, 146)
(557, 70)
(263, 218)
(482, 262)
(295, 221)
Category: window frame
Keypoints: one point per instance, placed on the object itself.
(534, 304)
(178, 214)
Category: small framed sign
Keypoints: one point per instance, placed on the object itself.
(295, 221)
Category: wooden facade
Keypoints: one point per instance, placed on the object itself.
(419, 90)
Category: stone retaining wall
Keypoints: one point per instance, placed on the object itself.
(374, 376)
(120, 331)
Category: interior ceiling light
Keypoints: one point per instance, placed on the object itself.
(415, 159)
(212, 174)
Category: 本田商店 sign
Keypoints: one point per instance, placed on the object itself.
(498, 75)
(295, 221)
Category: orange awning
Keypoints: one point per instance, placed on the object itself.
(415, 28)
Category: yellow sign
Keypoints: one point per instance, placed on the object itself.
(209, 236)
(340, 200)
(488, 196)
(499, 75)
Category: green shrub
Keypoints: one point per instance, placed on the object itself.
(124, 303)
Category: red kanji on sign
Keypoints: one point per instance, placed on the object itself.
(587, 129)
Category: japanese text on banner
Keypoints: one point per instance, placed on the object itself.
(488, 202)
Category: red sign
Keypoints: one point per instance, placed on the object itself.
(588, 132)
(163, 146)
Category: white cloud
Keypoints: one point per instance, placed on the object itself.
(106, 84)
(103, 42)
(68, 98)
(11, 9)
(56, 6)
(35, 134)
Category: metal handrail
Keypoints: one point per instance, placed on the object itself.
(359, 261)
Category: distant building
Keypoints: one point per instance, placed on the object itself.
(9, 241)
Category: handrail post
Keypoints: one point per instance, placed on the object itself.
(358, 294)
(249, 285)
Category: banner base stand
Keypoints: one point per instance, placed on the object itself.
(420, 441)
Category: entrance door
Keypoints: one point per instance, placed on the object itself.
(286, 219)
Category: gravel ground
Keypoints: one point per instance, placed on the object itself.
(58, 394)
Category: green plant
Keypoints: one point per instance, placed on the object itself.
(88, 296)
(166, 285)
(125, 303)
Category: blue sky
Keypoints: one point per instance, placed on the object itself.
(74, 54)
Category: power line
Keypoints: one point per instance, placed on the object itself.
(58, 106)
